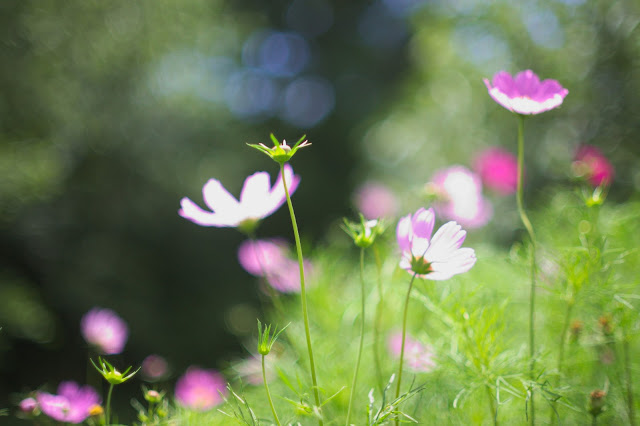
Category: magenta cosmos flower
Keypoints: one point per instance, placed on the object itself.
(459, 197)
(498, 169)
(525, 94)
(374, 200)
(154, 367)
(591, 163)
(436, 258)
(257, 201)
(105, 330)
(420, 358)
(268, 259)
(72, 404)
(200, 389)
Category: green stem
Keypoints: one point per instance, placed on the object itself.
(376, 326)
(492, 406)
(404, 333)
(627, 376)
(303, 293)
(108, 412)
(266, 387)
(561, 348)
(532, 295)
(355, 373)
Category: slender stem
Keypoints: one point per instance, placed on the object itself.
(404, 333)
(303, 293)
(266, 387)
(108, 413)
(561, 348)
(627, 376)
(362, 317)
(527, 224)
(492, 406)
(376, 325)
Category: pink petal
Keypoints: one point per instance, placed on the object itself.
(423, 222)
(445, 242)
(404, 233)
(191, 211)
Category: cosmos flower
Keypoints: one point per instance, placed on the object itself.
(105, 330)
(257, 201)
(28, 406)
(458, 194)
(498, 169)
(375, 201)
(525, 94)
(591, 163)
(268, 259)
(436, 258)
(419, 357)
(200, 389)
(72, 404)
(154, 367)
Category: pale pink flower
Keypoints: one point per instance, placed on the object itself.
(200, 389)
(269, 259)
(28, 405)
(419, 358)
(374, 200)
(437, 258)
(154, 367)
(105, 330)
(257, 200)
(72, 404)
(525, 94)
(498, 169)
(459, 197)
(591, 163)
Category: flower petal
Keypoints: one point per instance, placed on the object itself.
(422, 223)
(445, 242)
(191, 211)
(218, 199)
(461, 261)
(404, 233)
(277, 196)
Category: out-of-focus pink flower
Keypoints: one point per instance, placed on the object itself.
(72, 404)
(268, 258)
(105, 330)
(591, 163)
(498, 169)
(155, 367)
(374, 200)
(420, 358)
(257, 201)
(437, 258)
(250, 369)
(525, 94)
(459, 197)
(28, 405)
(200, 389)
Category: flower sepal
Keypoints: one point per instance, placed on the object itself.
(110, 373)
(281, 152)
(266, 339)
(365, 232)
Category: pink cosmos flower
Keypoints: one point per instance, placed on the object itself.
(420, 358)
(72, 404)
(257, 201)
(591, 163)
(200, 389)
(375, 201)
(498, 169)
(525, 94)
(437, 258)
(459, 197)
(154, 367)
(268, 258)
(105, 330)
(28, 405)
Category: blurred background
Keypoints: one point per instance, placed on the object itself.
(111, 112)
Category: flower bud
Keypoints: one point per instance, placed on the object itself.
(597, 402)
